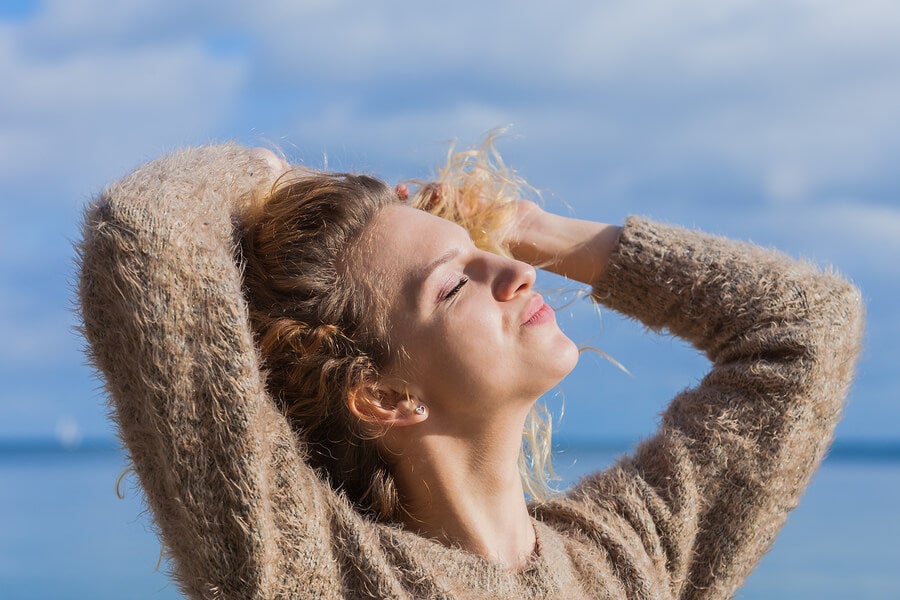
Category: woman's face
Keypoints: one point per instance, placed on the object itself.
(475, 335)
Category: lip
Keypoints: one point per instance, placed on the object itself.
(535, 311)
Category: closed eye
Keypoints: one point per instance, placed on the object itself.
(456, 288)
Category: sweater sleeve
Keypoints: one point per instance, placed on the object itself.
(237, 508)
(691, 512)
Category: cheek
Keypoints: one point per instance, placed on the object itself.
(463, 344)
(459, 353)
(478, 338)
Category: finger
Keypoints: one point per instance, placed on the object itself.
(402, 191)
(435, 193)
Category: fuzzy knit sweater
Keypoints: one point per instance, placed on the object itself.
(242, 515)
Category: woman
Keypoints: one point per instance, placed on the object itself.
(323, 389)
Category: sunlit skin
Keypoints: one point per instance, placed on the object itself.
(462, 322)
(481, 347)
(471, 360)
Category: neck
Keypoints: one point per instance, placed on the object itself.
(467, 492)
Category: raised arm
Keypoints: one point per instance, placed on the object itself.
(574, 248)
(240, 513)
(690, 514)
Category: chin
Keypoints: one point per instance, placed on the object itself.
(547, 367)
(569, 356)
(562, 357)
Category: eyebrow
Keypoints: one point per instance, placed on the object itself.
(440, 260)
(423, 273)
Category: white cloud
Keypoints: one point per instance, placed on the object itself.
(77, 26)
(81, 116)
(870, 232)
(377, 141)
(71, 118)
(797, 96)
(862, 239)
(799, 99)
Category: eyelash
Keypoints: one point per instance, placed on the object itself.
(456, 289)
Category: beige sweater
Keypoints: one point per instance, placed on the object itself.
(243, 516)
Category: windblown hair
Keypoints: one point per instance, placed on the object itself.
(321, 331)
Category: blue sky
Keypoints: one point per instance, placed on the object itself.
(776, 122)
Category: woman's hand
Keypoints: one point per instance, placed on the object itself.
(528, 219)
(573, 248)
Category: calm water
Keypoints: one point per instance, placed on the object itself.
(64, 533)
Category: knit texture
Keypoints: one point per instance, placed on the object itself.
(242, 515)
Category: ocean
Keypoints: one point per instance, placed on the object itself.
(65, 534)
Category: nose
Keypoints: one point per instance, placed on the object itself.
(511, 277)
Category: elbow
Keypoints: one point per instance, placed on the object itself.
(823, 309)
(812, 332)
(837, 315)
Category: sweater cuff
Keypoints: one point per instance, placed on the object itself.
(630, 283)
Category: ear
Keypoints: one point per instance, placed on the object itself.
(384, 405)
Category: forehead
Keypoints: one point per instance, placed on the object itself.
(402, 239)
(400, 243)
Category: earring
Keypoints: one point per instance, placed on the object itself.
(420, 409)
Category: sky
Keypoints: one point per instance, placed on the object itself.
(777, 122)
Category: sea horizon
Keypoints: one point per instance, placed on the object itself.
(860, 449)
(67, 533)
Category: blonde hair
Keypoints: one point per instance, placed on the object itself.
(319, 337)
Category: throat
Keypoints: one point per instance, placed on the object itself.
(466, 505)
